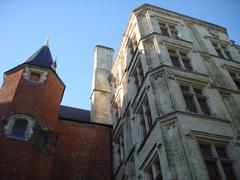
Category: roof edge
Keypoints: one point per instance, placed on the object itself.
(170, 11)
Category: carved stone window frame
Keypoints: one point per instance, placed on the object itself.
(10, 124)
(29, 70)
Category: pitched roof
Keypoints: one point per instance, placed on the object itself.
(41, 57)
(74, 114)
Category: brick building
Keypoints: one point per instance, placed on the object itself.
(41, 139)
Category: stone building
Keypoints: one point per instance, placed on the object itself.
(168, 106)
(175, 98)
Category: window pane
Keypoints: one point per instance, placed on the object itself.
(187, 64)
(150, 174)
(157, 166)
(190, 103)
(219, 52)
(175, 61)
(203, 104)
(197, 91)
(19, 128)
(184, 88)
(227, 168)
(221, 152)
(228, 55)
(205, 149)
(212, 170)
(142, 122)
(237, 82)
(174, 34)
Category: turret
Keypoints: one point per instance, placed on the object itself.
(32, 91)
(101, 88)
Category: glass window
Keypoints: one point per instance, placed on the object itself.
(154, 172)
(236, 78)
(180, 59)
(228, 171)
(145, 117)
(221, 152)
(168, 29)
(175, 61)
(205, 149)
(212, 170)
(203, 105)
(217, 155)
(190, 103)
(19, 128)
(195, 100)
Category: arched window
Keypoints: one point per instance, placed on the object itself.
(19, 128)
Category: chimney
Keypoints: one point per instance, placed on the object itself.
(101, 88)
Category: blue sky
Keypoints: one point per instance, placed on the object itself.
(76, 26)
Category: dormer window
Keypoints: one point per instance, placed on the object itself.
(35, 75)
(20, 127)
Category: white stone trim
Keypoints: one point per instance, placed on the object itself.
(29, 70)
(11, 121)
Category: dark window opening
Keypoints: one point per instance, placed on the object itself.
(187, 64)
(203, 105)
(175, 61)
(19, 128)
(227, 168)
(190, 103)
(34, 76)
(205, 149)
(212, 170)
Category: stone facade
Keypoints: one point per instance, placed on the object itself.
(175, 101)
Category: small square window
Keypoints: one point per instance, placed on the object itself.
(34, 76)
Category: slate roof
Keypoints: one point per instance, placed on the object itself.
(41, 57)
(74, 114)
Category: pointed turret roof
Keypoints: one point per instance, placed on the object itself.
(41, 57)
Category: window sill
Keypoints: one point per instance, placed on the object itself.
(16, 138)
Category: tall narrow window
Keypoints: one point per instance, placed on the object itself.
(153, 172)
(145, 117)
(138, 75)
(236, 78)
(188, 97)
(119, 146)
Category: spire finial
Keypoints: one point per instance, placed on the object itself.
(47, 40)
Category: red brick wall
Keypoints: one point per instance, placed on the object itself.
(20, 160)
(40, 100)
(82, 149)
(8, 89)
